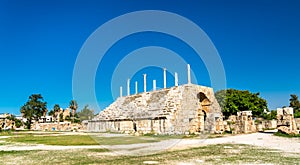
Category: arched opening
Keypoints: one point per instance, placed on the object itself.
(134, 126)
(204, 102)
(203, 109)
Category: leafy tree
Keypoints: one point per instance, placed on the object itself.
(270, 116)
(233, 101)
(297, 114)
(18, 123)
(86, 113)
(73, 105)
(34, 108)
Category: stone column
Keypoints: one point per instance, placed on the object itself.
(136, 87)
(165, 77)
(121, 90)
(154, 85)
(176, 79)
(145, 82)
(189, 73)
(128, 87)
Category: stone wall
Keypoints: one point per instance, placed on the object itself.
(266, 125)
(244, 122)
(182, 109)
(6, 124)
(285, 121)
(61, 126)
(297, 121)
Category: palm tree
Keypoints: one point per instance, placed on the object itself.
(56, 110)
(51, 113)
(295, 103)
(73, 105)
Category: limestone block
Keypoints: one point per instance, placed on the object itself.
(279, 111)
(288, 110)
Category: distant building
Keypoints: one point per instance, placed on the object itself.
(46, 119)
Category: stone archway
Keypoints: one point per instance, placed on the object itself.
(205, 103)
(204, 106)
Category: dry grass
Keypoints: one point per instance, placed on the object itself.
(65, 140)
(71, 140)
(212, 154)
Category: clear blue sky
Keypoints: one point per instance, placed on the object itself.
(258, 42)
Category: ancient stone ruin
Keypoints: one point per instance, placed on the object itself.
(5, 123)
(58, 126)
(240, 123)
(184, 109)
(285, 121)
(244, 122)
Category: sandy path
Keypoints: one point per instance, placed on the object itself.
(256, 139)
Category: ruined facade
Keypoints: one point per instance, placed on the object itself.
(244, 122)
(285, 121)
(58, 126)
(181, 109)
(240, 123)
(6, 123)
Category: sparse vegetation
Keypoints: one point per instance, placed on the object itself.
(5, 132)
(286, 135)
(66, 140)
(212, 154)
(69, 140)
(118, 140)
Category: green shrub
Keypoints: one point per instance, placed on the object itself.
(18, 123)
(297, 114)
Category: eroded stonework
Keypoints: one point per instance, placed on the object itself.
(177, 110)
(285, 121)
(58, 126)
(244, 122)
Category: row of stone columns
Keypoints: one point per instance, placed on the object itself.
(154, 81)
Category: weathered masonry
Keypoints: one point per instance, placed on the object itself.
(187, 108)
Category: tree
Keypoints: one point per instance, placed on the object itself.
(61, 117)
(86, 113)
(51, 113)
(295, 103)
(34, 108)
(18, 123)
(56, 110)
(270, 116)
(73, 105)
(233, 101)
